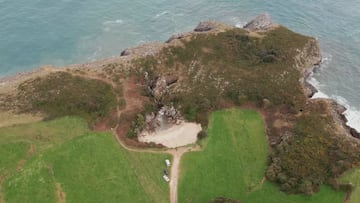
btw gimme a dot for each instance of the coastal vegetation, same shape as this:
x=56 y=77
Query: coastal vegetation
x=233 y=164
x=62 y=94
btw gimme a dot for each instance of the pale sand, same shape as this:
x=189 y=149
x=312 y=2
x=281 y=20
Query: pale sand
x=176 y=136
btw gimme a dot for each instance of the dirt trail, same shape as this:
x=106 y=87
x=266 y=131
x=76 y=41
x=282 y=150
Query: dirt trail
x=175 y=170
x=2 y=200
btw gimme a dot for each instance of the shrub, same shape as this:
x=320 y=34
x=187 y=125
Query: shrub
x=268 y=58
x=201 y=135
x=61 y=94
x=224 y=200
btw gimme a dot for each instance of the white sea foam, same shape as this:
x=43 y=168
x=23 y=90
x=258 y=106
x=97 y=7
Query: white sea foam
x=240 y=24
x=352 y=114
x=111 y=22
x=161 y=14
x=237 y=22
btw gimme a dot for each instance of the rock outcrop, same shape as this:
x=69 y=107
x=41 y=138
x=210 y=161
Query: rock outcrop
x=205 y=26
x=262 y=22
x=149 y=49
x=159 y=86
x=164 y=118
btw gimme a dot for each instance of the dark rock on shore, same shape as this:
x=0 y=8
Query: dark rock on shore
x=354 y=133
x=178 y=36
x=205 y=26
x=126 y=52
x=339 y=115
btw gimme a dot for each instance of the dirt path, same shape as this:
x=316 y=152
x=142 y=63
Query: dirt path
x=2 y=200
x=175 y=170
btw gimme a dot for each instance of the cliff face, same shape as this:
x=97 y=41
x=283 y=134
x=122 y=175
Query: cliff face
x=305 y=61
x=264 y=66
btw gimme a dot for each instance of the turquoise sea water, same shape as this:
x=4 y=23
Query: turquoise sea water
x=39 y=32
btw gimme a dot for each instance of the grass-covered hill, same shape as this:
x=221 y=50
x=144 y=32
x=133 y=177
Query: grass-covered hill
x=198 y=73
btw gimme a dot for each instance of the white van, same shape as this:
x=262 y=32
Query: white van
x=166 y=178
x=167 y=162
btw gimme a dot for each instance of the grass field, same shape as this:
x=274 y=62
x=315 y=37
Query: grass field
x=233 y=164
x=353 y=177
x=74 y=165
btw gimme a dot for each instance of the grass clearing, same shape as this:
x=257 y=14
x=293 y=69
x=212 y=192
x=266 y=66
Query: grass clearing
x=45 y=134
x=73 y=164
x=233 y=164
x=9 y=118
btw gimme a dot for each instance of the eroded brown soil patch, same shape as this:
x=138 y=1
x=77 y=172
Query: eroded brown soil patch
x=61 y=196
x=30 y=153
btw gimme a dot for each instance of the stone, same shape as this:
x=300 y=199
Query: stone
x=178 y=36
x=205 y=26
x=354 y=133
x=262 y=22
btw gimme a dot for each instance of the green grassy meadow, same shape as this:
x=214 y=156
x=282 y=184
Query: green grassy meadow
x=68 y=163
x=233 y=164
x=353 y=177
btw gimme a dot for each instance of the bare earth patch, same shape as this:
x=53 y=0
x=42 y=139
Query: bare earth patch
x=60 y=194
x=2 y=200
x=175 y=136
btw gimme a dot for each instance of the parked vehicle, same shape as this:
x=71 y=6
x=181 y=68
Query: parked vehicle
x=167 y=162
x=166 y=172
x=166 y=178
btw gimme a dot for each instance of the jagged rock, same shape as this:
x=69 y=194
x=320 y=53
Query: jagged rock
x=340 y=109
x=262 y=22
x=149 y=49
x=205 y=26
x=310 y=90
x=171 y=80
x=126 y=52
x=308 y=58
x=354 y=133
x=178 y=36
x=170 y=113
x=159 y=88
x=166 y=116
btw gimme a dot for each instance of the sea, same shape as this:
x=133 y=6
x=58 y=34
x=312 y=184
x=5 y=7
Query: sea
x=61 y=32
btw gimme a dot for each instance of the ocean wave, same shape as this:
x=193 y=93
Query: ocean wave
x=161 y=14
x=237 y=22
x=111 y=22
x=240 y=24
x=352 y=114
x=95 y=54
